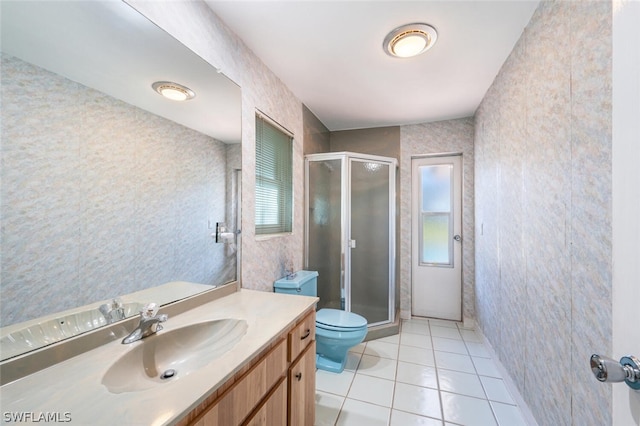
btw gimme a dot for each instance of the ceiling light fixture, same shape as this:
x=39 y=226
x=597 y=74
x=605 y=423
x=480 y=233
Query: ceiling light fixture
x=410 y=40
x=173 y=91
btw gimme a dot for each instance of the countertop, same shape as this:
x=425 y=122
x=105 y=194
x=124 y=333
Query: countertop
x=72 y=390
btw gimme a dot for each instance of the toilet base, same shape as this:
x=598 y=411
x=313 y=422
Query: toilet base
x=327 y=364
x=332 y=347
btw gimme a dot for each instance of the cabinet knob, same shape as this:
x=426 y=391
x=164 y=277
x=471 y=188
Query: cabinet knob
x=299 y=376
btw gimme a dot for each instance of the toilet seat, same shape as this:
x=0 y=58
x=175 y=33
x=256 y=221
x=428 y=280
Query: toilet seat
x=338 y=320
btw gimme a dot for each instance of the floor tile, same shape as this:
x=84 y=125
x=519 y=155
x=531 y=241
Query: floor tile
x=337 y=384
x=327 y=408
x=470 y=336
x=448 y=332
x=382 y=349
x=416 y=355
x=486 y=367
x=456 y=362
x=477 y=349
x=417 y=400
x=415 y=328
x=395 y=339
x=416 y=340
x=443 y=323
x=467 y=410
x=470 y=326
x=401 y=418
x=419 y=320
x=508 y=415
x=449 y=345
x=496 y=390
x=466 y=383
x=462 y=383
x=360 y=413
x=384 y=368
x=418 y=375
x=372 y=389
x=353 y=359
x=358 y=348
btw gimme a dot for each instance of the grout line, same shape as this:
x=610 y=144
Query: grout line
x=512 y=388
x=493 y=413
x=435 y=365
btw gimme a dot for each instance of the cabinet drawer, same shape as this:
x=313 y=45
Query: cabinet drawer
x=240 y=400
x=302 y=335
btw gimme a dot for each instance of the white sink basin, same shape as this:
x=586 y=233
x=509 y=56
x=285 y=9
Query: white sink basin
x=170 y=355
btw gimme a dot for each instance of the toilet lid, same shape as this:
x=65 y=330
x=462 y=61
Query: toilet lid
x=340 y=319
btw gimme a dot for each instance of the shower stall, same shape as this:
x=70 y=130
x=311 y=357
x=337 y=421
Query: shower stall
x=350 y=232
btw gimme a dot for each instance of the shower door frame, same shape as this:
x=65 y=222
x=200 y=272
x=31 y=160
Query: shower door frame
x=345 y=223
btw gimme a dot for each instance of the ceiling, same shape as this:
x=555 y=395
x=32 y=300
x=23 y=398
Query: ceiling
x=108 y=46
x=329 y=54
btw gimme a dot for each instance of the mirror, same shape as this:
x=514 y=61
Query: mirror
x=108 y=189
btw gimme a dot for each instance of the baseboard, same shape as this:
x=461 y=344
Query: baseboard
x=469 y=323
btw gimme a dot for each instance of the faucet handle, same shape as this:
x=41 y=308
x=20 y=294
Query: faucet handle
x=105 y=310
x=149 y=310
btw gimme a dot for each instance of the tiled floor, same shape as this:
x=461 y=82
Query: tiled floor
x=433 y=373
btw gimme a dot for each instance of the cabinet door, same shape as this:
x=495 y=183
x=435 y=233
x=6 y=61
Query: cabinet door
x=302 y=388
x=240 y=400
x=274 y=409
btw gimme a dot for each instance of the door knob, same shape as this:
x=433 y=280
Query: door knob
x=457 y=237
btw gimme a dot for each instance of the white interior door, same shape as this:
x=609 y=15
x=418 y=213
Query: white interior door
x=436 y=243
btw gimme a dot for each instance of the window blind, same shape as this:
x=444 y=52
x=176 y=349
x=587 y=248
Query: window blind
x=273 y=179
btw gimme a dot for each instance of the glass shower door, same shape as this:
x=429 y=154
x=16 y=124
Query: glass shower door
x=350 y=232
x=324 y=229
x=370 y=243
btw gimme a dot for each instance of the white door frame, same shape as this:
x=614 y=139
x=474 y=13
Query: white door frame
x=427 y=298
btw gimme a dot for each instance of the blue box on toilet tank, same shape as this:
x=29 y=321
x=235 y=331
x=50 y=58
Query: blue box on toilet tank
x=304 y=283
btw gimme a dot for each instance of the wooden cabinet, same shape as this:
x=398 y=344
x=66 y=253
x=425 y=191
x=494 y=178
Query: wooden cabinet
x=301 y=336
x=273 y=411
x=275 y=388
x=302 y=388
x=237 y=403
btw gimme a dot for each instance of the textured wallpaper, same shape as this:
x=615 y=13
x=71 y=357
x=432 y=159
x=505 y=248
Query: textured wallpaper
x=454 y=136
x=99 y=198
x=543 y=212
x=197 y=27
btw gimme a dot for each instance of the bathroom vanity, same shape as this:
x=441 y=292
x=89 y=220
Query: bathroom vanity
x=245 y=358
x=276 y=387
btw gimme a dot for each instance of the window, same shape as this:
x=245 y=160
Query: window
x=436 y=214
x=273 y=178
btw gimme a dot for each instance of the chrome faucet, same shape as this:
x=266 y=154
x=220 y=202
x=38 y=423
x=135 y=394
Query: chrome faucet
x=149 y=324
x=113 y=311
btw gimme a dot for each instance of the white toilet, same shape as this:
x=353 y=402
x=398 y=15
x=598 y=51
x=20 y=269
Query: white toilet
x=336 y=331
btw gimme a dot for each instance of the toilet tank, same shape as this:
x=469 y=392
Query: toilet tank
x=304 y=283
